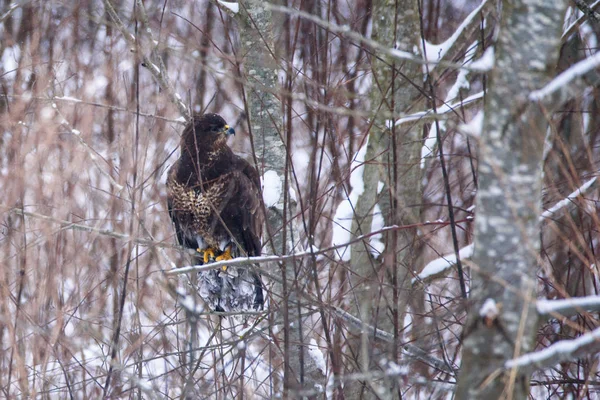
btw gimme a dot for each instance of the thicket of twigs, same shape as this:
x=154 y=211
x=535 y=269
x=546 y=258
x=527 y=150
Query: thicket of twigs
x=87 y=134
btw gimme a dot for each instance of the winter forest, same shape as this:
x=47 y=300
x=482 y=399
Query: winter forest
x=429 y=174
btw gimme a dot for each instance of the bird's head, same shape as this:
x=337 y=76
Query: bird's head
x=205 y=133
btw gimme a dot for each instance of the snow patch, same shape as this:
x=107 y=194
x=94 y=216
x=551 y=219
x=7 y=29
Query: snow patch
x=342 y=220
x=489 y=309
x=233 y=6
x=474 y=127
x=9 y=61
x=317 y=356
x=486 y=62
x=272 y=185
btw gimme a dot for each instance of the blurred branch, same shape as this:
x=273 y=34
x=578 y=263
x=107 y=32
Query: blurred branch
x=573 y=27
x=159 y=72
x=441 y=112
x=570 y=83
x=587 y=11
x=105 y=232
x=93 y=154
x=413 y=351
x=568 y=307
x=11 y=9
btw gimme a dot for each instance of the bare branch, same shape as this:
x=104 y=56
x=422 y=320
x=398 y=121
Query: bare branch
x=159 y=72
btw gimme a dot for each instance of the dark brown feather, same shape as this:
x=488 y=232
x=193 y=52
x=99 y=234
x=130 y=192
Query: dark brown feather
x=214 y=195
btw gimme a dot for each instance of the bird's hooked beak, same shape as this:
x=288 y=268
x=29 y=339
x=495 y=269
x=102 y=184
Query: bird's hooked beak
x=228 y=130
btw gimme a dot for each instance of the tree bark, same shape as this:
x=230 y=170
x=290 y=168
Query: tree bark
x=258 y=49
x=381 y=284
x=507 y=236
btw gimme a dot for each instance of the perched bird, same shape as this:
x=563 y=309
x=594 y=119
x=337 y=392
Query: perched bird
x=214 y=202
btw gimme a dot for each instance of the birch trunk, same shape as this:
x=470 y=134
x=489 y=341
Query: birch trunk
x=257 y=45
x=380 y=284
x=507 y=236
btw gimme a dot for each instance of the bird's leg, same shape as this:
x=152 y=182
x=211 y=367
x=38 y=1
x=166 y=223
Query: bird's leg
x=226 y=255
x=207 y=254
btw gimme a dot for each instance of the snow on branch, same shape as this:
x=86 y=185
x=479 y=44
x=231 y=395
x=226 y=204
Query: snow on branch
x=12 y=7
x=344 y=30
x=563 y=79
x=440 y=265
x=232 y=6
x=442 y=110
x=569 y=199
x=437 y=52
x=565 y=350
x=567 y=307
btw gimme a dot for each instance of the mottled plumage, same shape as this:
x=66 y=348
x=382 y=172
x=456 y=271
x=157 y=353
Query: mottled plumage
x=214 y=202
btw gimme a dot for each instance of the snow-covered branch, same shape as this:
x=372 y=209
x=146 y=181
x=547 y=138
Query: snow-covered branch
x=567 y=307
x=562 y=81
x=344 y=30
x=439 y=266
x=449 y=47
x=562 y=351
x=442 y=111
x=573 y=27
x=568 y=201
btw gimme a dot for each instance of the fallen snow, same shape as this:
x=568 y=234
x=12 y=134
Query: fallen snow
x=317 y=356
x=9 y=61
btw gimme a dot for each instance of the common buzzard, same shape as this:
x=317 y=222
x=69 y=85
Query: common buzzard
x=214 y=202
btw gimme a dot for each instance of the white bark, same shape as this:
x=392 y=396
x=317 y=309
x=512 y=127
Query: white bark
x=507 y=236
x=257 y=48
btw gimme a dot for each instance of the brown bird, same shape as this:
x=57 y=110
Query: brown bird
x=214 y=202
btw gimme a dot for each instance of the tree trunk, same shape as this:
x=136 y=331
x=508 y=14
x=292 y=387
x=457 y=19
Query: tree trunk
x=265 y=121
x=507 y=236
x=381 y=284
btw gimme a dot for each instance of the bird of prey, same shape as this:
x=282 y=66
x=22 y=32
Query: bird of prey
x=214 y=202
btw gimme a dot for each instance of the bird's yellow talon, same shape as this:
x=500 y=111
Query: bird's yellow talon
x=226 y=255
x=207 y=254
